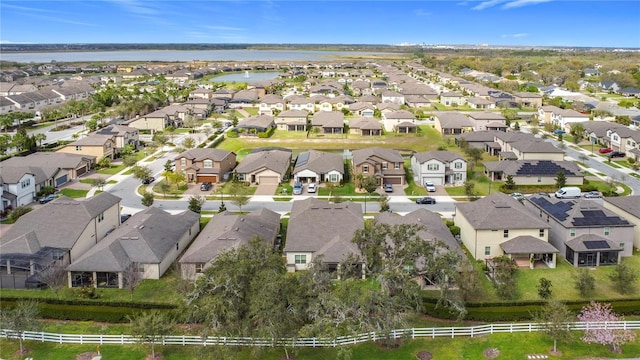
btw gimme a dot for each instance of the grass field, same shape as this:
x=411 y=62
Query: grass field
x=74 y=193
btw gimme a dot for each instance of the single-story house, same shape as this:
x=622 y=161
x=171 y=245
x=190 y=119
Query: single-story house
x=318 y=167
x=264 y=167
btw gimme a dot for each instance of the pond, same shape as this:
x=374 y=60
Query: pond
x=247 y=76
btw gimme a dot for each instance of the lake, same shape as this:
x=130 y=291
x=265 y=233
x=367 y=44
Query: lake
x=248 y=76
x=183 y=55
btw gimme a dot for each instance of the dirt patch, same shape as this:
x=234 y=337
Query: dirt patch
x=491 y=353
x=157 y=357
x=424 y=355
x=86 y=355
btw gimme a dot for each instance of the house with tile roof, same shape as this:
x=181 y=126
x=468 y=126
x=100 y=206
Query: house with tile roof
x=60 y=231
x=148 y=244
x=627 y=207
x=439 y=167
x=321 y=228
x=585 y=233
x=228 y=231
x=499 y=225
x=386 y=165
x=264 y=167
x=318 y=167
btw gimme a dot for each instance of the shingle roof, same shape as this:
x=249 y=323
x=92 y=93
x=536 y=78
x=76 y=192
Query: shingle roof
x=146 y=238
x=630 y=204
x=365 y=123
x=499 y=211
x=527 y=244
x=390 y=155
x=578 y=213
x=579 y=243
x=199 y=154
x=536 y=146
x=319 y=162
x=453 y=120
x=328 y=119
x=323 y=228
x=442 y=155
x=228 y=231
x=276 y=160
x=59 y=223
x=534 y=167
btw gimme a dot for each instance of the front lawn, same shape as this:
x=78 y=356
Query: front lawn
x=74 y=193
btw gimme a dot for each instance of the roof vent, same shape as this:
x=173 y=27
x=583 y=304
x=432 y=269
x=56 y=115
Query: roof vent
x=141 y=227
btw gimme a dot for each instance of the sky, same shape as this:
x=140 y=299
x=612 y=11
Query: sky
x=588 y=23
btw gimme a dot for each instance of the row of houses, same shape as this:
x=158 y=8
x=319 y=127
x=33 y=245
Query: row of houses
x=615 y=136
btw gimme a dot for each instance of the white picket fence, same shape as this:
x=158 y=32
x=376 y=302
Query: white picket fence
x=467 y=331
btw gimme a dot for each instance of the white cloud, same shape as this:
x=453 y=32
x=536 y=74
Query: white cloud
x=136 y=7
x=518 y=35
x=223 y=28
x=421 y=12
x=521 y=3
x=487 y=4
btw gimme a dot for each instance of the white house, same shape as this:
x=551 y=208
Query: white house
x=439 y=167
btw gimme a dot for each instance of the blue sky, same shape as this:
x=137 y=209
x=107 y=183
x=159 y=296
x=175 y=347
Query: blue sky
x=494 y=22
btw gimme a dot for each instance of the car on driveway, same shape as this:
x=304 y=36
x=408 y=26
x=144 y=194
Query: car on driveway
x=311 y=188
x=605 y=150
x=297 y=189
x=426 y=200
x=388 y=188
x=148 y=180
x=615 y=154
x=46 y=199
x=206 y=186
x=431 y=187
x=517 y=196
x=593 y=195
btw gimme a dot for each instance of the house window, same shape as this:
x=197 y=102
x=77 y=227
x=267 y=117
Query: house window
x=183 y=162
x=25 y=183
x=433 y=167
x=539 y=179
x=57 y=254
x=457 y=165
x=572 y=232
x=365 y=168
x=487 y=250
x=333 y=178
x=397 y=166
x=457 y=176
x=78 y=147
x=208 y=164
x=138 y=267
x=199 y=268
x=541 y=234
x=100 y=217
x=607 y=231
x=385 y=166
x=505 y=234
x=301 y=259
x=622 y=246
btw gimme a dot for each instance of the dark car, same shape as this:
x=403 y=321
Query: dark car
x=206 y=186
x=426 y=200
x=46 y=199
x=124 y=217
x=388 y=188
x=148 y=180
x=615 y=154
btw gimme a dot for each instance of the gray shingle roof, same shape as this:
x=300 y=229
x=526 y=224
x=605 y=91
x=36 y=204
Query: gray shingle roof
x=59 y=223
x=630 y=204
x=442 y=155
x=578 y=213
x=499 y=211
x=323 y=228
x=390 y=155
x=534 y=167
x=276 y=160
x=578 y=243
x=319 y=162
x=228 y=231
x=527 y=244
x=453 y=120
x=146 y=238
x=199 y=154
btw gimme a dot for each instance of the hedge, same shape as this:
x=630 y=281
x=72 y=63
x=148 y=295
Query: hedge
x=217 y=142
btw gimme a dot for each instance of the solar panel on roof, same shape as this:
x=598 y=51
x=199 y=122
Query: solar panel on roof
x=302 y=159
x=596 y=244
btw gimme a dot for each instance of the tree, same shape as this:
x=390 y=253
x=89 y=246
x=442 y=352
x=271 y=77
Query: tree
x=20 y=319
x=150 y=327
x=561 y=179
x=196 y=202
x=39 y=138
x=555 y=319
x=369 y=184
x=384 y=203
x=623 y=278
x=141 y=172
x=600 y=313
x=475 y=154
x=469 y=286
x=509 y=184
x=504 y=277
x=544 y=288
x=131 y=278
x=98 y=182
x=168 y=166
x=5 y=143
x=129 y=160
x=585 y=282
x=239 y=195
x=91 y=124
x=189 y=142
x=55 y=277
x=105 y=162
x=470 y=190
x=147 y=199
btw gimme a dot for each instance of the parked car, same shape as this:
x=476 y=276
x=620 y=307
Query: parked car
x=559 y=132
x=615 y=154
x=46 y=199
x=388 y=188
x=311 y=187
x=431 y=187
x=517 y=196
x=148 y=180
x=426 y=200
x=593 y=195
x=206 y=186
x=297 y=189
x=124 y=217
x=605 y=150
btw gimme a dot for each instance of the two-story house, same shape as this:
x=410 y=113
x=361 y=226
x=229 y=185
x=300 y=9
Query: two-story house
x=205 y=164
x=18 y=186
x=97 y=145
x=292 y=120
x=488 y=121
x=627 y=141
x=271 y=103
x=400 y=121
x=452 y=99
x=386 y=165
x=123 y=136
x=585 y=233
x=627 y=207
x=439 y=167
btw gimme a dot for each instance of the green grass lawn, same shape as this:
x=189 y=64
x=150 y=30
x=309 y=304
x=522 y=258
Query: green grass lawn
x=111 y=170
x=74 y=193
x=511 y=346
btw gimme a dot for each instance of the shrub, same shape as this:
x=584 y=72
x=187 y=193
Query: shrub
x=87 y=292
x=18 y=212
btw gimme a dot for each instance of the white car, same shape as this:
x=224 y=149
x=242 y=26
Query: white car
x=430 y=186
x=311 y=188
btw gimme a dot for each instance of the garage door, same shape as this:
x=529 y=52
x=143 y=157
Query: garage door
x=61 y=180
x=393 y=180
x=81 y=171
x=268 y=180
x=212 y=178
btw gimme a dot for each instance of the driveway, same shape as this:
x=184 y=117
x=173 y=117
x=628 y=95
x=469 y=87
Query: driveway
x=266 y=189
